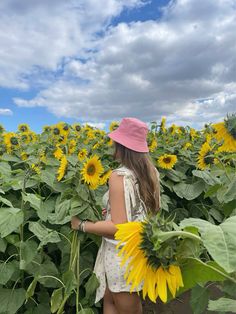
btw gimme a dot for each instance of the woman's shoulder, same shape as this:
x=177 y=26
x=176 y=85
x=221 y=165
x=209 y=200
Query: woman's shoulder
x=123 y=171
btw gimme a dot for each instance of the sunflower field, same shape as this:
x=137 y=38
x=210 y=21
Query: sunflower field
x=45 y=179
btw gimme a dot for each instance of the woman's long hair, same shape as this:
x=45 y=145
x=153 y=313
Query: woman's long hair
x=145 y=172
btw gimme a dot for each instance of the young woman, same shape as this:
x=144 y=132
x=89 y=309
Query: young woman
x=134 y=191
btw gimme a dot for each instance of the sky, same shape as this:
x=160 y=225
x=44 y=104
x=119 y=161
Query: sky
x=91 y=61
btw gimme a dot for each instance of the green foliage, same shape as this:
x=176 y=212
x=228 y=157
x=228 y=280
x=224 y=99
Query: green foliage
x=47 y=268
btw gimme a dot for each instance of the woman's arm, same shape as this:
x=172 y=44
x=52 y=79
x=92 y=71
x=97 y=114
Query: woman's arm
x=118 y=212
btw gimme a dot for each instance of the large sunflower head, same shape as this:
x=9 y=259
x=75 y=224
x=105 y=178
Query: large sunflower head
x=225 y=133
x=205 y=157
x=91 y=171
x=148 y=252
x=167 y=161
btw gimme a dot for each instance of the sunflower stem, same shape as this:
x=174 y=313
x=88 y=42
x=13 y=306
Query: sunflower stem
x=169 y=234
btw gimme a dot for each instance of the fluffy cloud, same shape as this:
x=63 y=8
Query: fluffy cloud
x=5 y=112
x=37 y=37
x=181 y=66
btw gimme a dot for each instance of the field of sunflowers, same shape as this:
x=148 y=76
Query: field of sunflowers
x=47 y=178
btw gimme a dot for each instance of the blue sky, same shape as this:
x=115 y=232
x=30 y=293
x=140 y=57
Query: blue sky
x=93 y=62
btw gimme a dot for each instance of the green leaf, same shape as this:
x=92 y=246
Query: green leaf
x=195 y=272
x=189 y=191
x=5 y=168
x=3 y=245
x=11 y=300
x=62 y=210
x=175 y=175
x=33 y=199
x=28 y=252
x=10 y=220
x=5 y=201
x=212 y=190
x=86 y=311
x=222 y=305
x=199 y=299
x=229 y=288
x=220 y=241
x=48 y=176
x=231 y=192
x=6 y=272
x=47 y=275
x=31 y=288
x=91 y=285
x=229 y=207
x=56 y=299
x=8 y=157
x=206 y=176
x=44 y=234
x=70 y=282
x=1 y=191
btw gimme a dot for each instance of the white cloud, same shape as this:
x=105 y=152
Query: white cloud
x=182 y=66
x=37 y=36
x=5 y=112
x=99 y=125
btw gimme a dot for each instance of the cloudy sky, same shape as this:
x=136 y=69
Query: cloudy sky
x=98 y=61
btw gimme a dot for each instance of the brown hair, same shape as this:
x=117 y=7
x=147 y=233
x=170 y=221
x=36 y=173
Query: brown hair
x=145 y=172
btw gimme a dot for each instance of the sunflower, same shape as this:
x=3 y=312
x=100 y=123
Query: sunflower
x=167 y=161
x=58 y=153
x=42 y=156
x=205 y=157
x=72 y=146
x=23 y=127
x=91 y=171
x=226 y=132
x=113 y=126
x=82 y=154
x=140 y=270
x=193 y=134
x=76 y=127
x=46 y=128
x=35 y=168
x=163 y=125
x=173 y=129
x=24 y=156
x=105 y=177
x=62 y=169
x=11 y=141
x=187 y=145
x=153 y=145
x=26 y=137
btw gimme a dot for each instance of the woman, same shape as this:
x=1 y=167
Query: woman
x=134 y=191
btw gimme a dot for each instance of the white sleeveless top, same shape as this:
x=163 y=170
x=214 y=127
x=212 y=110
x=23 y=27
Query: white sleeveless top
x=135 y=211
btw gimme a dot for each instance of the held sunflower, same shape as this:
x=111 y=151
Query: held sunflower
x=155 y=277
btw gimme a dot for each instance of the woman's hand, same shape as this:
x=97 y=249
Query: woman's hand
x=75 y=221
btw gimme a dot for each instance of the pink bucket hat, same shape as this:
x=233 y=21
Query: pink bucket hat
x=131 y=133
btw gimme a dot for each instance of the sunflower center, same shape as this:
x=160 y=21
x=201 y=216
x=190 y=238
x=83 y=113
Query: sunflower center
x=167 y=160
x=91 y=170
x=209 y=160
x=14 y=141
x=23 y=128
x=56 y=131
